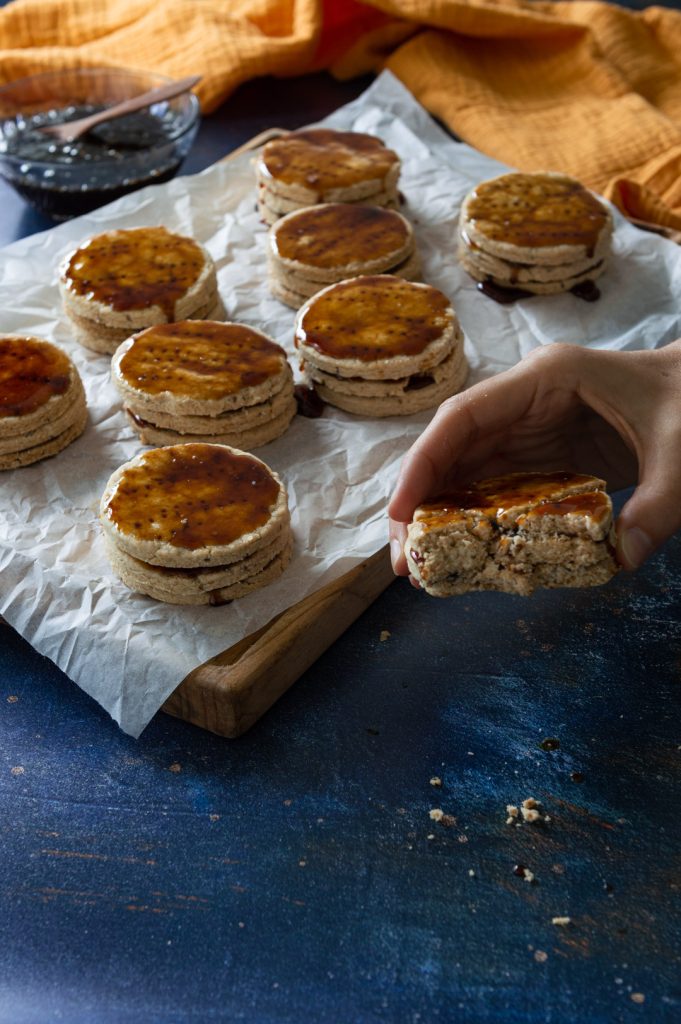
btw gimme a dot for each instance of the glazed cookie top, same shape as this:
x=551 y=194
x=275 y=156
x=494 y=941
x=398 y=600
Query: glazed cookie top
x=537 y=210
x=132 y=269
x=32 y=372
x=201 y=359
x=321 y=159
x=204 y=503
x=340 y=236
x=373 y=317
x=510 y=497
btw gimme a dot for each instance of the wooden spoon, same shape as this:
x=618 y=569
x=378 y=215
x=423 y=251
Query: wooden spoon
x=72 y=130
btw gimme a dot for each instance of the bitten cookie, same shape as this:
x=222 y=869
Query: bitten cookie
x=196 y=524
x=381 y=346
x=320 y=245
x=514 y=533
x=534 y=234
x=125 y=280
x=42 y=401
x=321 y=165
x=201 y=380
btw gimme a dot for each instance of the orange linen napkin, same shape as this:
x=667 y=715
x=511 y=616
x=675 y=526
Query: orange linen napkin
x=580 y=86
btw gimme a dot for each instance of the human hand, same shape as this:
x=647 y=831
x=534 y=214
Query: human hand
x=615 y=414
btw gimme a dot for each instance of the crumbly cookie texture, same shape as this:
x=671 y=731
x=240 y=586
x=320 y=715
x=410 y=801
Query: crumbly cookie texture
x=514 y=533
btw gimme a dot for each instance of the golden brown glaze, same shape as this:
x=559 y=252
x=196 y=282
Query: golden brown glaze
x=193 y=496
x=493 y=497
x=535 y=210
x=135 y=268
x=31 y=372
x=321 y=159
x=200 y=359
x=371 y=318
x=339 y=235
x=594 y=504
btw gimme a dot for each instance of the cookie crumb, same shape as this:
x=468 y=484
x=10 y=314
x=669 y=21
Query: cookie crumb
x=12 y=699
x=540 y=956
x=385 y=635
x=637 y=997
x=18 y=770
x=436 y=780
x=435 y=814
x=562 y=922
x=175 y=767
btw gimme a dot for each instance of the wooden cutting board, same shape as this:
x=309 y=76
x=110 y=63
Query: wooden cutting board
x=229 y=693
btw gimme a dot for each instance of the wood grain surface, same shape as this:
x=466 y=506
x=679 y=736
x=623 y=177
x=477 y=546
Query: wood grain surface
x=228 y=694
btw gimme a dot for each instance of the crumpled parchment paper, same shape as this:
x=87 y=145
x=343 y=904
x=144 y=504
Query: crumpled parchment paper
x=130 y=652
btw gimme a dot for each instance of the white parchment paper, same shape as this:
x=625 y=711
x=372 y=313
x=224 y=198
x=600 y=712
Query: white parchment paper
x=56 y=588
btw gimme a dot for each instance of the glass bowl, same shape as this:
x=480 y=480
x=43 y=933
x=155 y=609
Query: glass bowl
x=62 y=179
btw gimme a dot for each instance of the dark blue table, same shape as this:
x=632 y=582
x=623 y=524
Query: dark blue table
x=296 y=874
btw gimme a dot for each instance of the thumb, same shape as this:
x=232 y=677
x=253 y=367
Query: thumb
x=652 y=514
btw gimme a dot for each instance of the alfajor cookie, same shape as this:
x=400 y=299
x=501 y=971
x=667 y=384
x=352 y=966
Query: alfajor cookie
x=126 y=280
x=514 y=533
x=381 y=346
x=526 y=234
x=320 y=245
x=321 y=165
x=42 y=401
x=196 y=524
x=202 y=380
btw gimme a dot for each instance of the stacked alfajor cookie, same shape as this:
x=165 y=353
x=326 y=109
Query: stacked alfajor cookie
x=534 y=234
x=320 y=245
x=196 y=524
x=320 y=165
x=42 y=401
x=381 y=346
x=202 y=380
x=129 y=279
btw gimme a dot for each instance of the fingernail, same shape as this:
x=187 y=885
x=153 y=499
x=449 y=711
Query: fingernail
x=395 y=552
x=635 y=546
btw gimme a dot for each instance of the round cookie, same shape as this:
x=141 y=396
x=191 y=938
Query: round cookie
x=542 y=233
x=42 y=401
x=381 y=346
x=203 y=380
x=193 y=505
x=337 y=240
x=321 y=165
x=125 y=280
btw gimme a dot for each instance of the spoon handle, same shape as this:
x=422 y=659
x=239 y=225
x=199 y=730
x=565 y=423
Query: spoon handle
x=145 y=99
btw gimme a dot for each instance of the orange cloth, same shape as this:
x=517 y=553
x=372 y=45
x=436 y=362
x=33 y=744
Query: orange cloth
x=581 y=86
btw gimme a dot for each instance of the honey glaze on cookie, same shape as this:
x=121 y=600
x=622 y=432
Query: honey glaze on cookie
x=534 y=210
x=322 y=159
x=31 y=373
x=202 y=359
x=135 y=268
x=193 y=496
x=493 y=497
x=339 y=235
x=374 y=317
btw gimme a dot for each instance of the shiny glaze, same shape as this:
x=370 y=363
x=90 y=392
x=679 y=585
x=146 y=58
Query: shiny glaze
x=321 y=159
x=371 y=318
x=200 y=359
x=594 y=504
x=31 y=372
x=534 y=210
x=135 y=268
x=193 y=496
x=339 y=235
x=493 y=497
